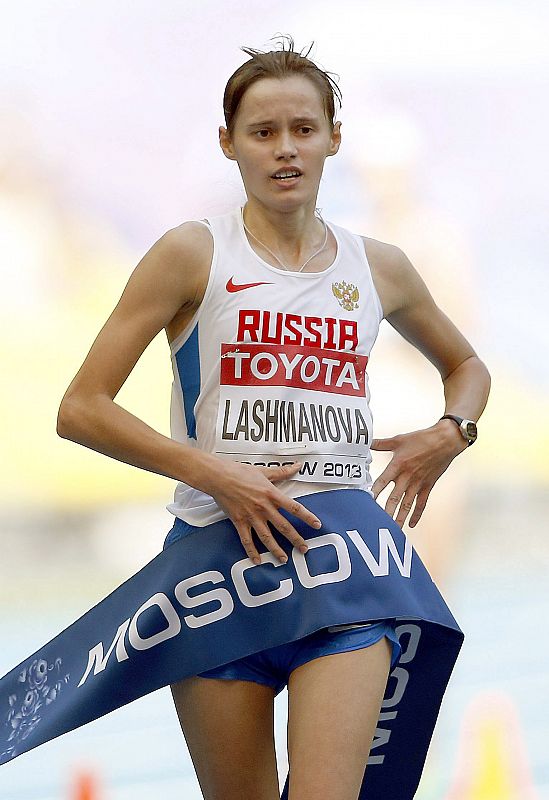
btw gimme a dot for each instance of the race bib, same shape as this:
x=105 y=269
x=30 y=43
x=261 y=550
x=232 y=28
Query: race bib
x=317 y=468
x=284 y=403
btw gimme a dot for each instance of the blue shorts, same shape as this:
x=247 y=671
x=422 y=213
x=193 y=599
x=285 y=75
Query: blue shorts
x=273 y=666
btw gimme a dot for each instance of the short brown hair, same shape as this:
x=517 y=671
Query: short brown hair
x=278 y=64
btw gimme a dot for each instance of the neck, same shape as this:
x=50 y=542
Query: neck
x=292 y=235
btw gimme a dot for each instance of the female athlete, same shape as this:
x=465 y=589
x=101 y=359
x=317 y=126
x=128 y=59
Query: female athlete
x=271 y=313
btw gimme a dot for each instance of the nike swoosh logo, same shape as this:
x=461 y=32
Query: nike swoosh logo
x=239 y=287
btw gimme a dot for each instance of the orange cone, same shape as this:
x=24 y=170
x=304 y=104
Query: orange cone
x=85 y=786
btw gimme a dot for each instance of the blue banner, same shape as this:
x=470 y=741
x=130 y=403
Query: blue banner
x=202 y=603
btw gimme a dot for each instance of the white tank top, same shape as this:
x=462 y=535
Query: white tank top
x=272 y=368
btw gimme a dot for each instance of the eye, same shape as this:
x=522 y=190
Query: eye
x=305 y=129
x=262 y=134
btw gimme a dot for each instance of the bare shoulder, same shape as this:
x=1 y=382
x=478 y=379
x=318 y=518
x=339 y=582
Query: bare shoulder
x=410 y=309
x=383 y=257
x=169 y=281
x=189 y=247
x=187 y=257
x=190 y=233
x=182 y=258
x=395 y=278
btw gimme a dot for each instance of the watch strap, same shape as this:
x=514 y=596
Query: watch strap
x=458 y=421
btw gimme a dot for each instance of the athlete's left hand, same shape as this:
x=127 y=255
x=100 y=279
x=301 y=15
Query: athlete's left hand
x=419 y=459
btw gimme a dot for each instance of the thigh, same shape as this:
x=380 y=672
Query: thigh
x=229 y=729
x=333 y=707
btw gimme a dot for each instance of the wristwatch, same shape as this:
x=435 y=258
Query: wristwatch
x=467 y=427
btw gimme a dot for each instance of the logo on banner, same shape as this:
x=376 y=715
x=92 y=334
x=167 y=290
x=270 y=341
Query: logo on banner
x=347 y=295
x=38 y=685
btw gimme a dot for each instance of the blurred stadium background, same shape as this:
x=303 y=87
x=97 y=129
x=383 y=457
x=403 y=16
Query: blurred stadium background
x=109 y=116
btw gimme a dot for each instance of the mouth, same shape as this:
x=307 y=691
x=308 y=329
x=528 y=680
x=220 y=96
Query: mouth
x=287 y=175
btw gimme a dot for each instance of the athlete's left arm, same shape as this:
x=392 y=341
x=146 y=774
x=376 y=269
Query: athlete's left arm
x=421 y=457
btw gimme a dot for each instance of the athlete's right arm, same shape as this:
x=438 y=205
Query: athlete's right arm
x=170 y=279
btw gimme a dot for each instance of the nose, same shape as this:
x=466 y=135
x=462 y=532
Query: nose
x=285 y=146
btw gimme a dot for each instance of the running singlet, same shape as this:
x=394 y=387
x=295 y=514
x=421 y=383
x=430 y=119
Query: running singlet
x=272 y=368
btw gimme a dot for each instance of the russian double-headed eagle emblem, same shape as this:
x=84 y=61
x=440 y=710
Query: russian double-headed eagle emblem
x=347 y=295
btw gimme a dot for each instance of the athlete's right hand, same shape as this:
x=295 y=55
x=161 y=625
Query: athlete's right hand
x=250 y=499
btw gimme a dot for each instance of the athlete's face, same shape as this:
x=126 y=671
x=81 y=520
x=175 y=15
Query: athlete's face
x=280 y=127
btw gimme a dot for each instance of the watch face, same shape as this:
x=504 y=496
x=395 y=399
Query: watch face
x=471 y=429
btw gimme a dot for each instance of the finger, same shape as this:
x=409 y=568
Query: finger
x=383 y=444
x=381 y=482
x=262 y=530
x=421 y=502
x=245 y=534
x=281 y=473
x=394 y=499
x=405 y=506
x=288 y=530
x=299 y=510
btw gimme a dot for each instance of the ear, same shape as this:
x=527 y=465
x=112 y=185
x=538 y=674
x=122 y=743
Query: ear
x=335 y=139
x=226 y=144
